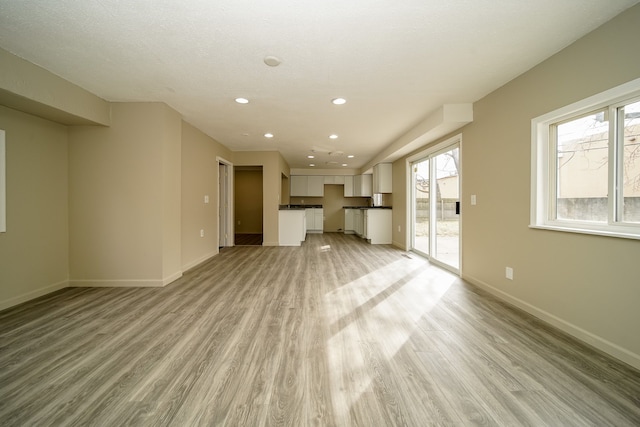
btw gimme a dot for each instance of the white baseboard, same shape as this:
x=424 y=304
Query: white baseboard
x=172 y=278
x=594 y=340
x=135 y=283
x=33 y=294
x=199 y=261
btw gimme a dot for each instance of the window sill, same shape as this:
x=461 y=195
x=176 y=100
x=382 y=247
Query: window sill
x=624 y=234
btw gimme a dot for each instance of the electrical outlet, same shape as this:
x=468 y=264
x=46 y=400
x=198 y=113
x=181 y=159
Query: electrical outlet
x=206 y=199
x=239 y=222
x=201 y=233
x=399 y=229
x=509 y=273
x=474 y=200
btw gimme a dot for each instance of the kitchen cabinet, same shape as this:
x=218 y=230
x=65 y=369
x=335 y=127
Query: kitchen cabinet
x=358 y=222
x=362 y=185
x=315 y=186
x=348 y=186
x=315 y=220
x=378 y=226
x=298 y=185
x=348 y=221
x=307 y=186
x=291 y=227
x=382 y=178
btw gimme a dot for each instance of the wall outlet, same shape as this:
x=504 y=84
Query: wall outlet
x=239 y=222
x=509 y=273
x=474 y=200
x=206 y=199
x=399 y=229
x=201 y=233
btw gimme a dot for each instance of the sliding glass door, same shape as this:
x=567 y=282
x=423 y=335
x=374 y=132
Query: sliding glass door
x=435 y=199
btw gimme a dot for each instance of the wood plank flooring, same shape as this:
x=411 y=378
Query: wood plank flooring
x=335 y=333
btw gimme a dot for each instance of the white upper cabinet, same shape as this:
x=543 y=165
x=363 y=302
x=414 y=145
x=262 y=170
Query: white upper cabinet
x=362 y=186
x=382 y=178
x=315 y=186
x=298 y=185
x=348 y=186
x=307 y=186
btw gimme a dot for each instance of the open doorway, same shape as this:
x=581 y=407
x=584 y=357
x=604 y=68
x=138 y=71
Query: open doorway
x=248 y=206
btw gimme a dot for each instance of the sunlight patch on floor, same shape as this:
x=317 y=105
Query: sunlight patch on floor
x=385 y=304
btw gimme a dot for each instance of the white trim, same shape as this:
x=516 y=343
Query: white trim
x=542 y=169
x=199 y=261
x=125 y=283
x=33 y=294
x=230 y=240
x=583 y=335
x=3 y=183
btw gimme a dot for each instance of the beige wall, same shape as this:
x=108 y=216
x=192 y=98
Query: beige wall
x=587 y=285
x=199 y=179
x=248 y=201
x=125 y=198
x=273 y=167
x=34 y=250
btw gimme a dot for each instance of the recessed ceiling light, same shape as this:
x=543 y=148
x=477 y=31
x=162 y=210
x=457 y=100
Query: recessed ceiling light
x=268 y=135
x=311 y=164
x=242 y=100
x=333 y=136
x=344 y=164
x=311 y=157
x=350 y=156
x=338 y=101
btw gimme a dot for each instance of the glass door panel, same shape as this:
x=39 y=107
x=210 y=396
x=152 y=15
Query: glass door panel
x=421 y=211
x=445 y=211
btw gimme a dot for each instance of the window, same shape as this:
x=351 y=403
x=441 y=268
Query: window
x=586 y=165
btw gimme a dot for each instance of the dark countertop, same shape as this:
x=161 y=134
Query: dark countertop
x=299 y=207
x=368 y=207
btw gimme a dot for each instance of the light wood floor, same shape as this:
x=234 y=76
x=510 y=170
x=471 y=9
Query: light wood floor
x=335 y=333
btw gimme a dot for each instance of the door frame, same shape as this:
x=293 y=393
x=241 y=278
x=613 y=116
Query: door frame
x=225 y=198
x=432 y=151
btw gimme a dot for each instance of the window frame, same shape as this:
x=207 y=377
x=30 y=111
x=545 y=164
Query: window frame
x=544 y=179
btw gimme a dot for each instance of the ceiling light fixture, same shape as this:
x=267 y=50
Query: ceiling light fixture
x=242 y=100
x=333 y=136
x=311 y=157
x=344 y=164
x=272 y=61
x=311 y=164
x=350 y=156
x=338 y=101
x=268 y=135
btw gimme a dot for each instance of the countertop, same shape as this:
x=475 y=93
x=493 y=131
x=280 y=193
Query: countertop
x=368 y=207
x=299 y=207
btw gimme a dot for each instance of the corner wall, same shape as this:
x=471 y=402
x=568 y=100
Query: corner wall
x=199 y=178
x=124 y=209
x=34 y=251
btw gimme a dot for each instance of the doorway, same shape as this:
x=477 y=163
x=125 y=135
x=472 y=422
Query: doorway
x=435 y=205
x=248 y=205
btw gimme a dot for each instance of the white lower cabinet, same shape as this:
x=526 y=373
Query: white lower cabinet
x=315 y=220
x=349 y=227
x=378 y=226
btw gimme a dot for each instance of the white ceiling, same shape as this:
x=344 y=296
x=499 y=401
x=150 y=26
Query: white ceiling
x=394 y=61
